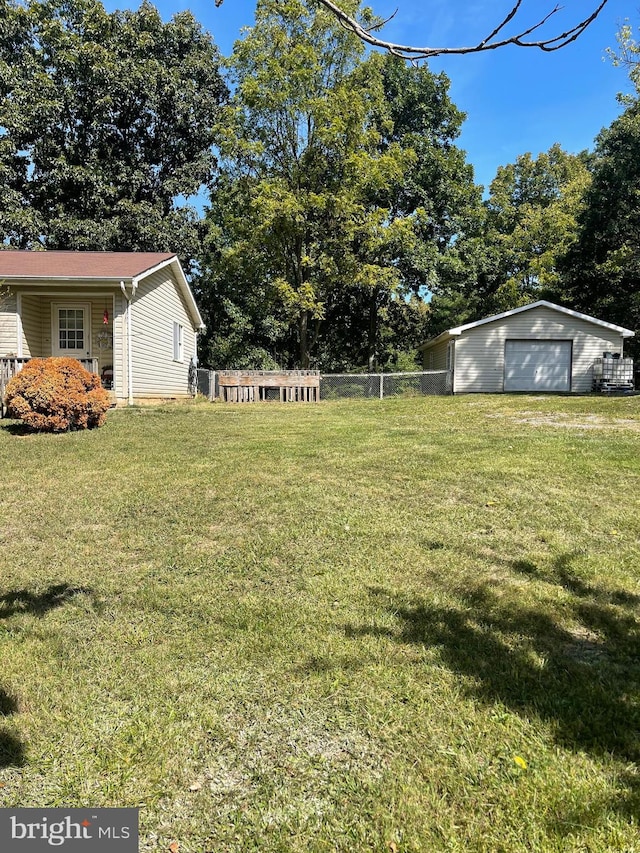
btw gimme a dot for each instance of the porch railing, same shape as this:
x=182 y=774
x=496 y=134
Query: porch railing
x=10 y=366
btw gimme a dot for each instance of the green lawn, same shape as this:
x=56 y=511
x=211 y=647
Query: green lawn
x=407 y=625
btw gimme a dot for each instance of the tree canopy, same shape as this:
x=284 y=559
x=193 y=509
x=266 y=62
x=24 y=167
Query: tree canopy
x=339 y=189
x=343 y=224
x=602 y=267
x=107 y=121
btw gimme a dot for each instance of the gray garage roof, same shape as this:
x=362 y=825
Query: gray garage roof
x=542 y=303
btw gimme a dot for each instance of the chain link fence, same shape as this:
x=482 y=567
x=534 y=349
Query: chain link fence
x=206 y=383
x=337 y=386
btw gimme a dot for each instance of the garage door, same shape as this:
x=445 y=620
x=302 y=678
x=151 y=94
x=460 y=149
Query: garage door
x=537 y=366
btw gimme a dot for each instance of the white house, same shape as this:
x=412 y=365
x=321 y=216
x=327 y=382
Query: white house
x=538 y=347
x=128 y=316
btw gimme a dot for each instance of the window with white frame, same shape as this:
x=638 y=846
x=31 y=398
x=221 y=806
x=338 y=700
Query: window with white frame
x=178 y=337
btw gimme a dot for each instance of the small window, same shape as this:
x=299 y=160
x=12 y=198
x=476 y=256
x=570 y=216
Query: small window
x=177 y=342
x=71 y=328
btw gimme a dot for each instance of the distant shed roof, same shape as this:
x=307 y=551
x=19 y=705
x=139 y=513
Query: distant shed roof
x=541 y=303
x=82 y=265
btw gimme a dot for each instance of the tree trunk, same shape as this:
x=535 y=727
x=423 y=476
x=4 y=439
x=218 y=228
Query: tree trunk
x=304 y=340
x=373 y=330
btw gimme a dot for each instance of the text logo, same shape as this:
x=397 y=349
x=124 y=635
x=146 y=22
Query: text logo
x=69 y=830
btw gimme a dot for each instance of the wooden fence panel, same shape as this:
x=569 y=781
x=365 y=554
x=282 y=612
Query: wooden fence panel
x=250 y=386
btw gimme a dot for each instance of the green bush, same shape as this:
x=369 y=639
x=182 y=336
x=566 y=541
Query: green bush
x=57 y=395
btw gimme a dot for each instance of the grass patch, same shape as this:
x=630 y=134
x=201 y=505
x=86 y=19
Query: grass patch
x=331 y=627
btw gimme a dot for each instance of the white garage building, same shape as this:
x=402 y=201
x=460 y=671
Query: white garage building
x=538 y=347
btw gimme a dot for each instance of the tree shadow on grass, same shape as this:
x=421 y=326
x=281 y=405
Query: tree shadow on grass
x=576 y=665
x=561 y=575
x=39 y=603
x=11 y=748
x=12 y=751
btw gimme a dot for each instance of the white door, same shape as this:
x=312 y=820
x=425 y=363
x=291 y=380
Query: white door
x=537 y=366
x=71 y=333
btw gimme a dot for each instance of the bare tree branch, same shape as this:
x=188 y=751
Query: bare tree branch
x=491 y=42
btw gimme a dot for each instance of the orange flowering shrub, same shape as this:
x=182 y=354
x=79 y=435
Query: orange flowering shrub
x=57 y=395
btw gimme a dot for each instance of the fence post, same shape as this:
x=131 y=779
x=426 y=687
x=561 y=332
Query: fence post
x=381 y=385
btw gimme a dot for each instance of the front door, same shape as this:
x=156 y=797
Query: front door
x=71 y=333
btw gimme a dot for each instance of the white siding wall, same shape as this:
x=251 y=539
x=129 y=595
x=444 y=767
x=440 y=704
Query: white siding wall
x=435 y=358
x=46 y=302
x=8 y=324
x=47 y=328
x=479 y=365
x=31 y=326
x=156 y=306
x=119 y=345
x=37 y=323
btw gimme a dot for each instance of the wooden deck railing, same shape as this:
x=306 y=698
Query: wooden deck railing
x=10 y=366
x=8 y=369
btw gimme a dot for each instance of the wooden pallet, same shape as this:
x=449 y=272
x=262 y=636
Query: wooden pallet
x=252 y=386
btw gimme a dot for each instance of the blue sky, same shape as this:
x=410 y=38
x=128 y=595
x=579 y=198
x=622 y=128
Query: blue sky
x=516 y=99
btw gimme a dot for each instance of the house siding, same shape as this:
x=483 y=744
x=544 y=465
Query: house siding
x=37 y=321
x=31 y=315
x=119 y=345
x=435 y=358
x=8 y=324
x=479 y=365
x=156 y=306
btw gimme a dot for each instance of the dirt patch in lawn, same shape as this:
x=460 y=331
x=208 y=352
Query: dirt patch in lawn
x=572 y=421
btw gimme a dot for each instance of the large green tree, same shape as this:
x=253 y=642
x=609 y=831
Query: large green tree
x=423 y=209
x=514 y=250
x=602 y=268
x=339 y=189
x=107 y=125
x=531 y=222
x=293 y=149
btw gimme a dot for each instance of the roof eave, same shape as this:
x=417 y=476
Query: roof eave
x=543 y=303
x=47 y=279
x=183 y=284
x=443 y=336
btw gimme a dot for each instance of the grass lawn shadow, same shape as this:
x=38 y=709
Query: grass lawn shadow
x=12 y=753
x=24 y=601
x=11 y=748
x=38 y=604
x=578 y=668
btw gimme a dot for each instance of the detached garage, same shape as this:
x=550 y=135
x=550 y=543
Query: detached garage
x=540 y=347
